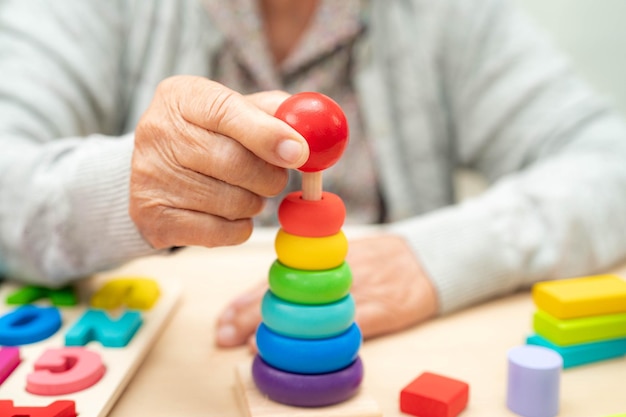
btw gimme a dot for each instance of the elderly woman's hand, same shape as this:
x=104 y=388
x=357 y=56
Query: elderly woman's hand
x=205 y=158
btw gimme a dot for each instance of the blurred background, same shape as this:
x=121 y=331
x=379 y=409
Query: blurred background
x=593 y=33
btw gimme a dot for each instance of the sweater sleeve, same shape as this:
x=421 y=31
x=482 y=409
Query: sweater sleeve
x=64 y=162
x=553 y=153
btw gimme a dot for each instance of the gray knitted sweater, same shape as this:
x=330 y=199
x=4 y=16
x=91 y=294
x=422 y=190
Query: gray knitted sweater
x=442 y=84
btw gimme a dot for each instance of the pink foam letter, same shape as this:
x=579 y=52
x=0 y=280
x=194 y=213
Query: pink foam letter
x=9 y=359
x=64 y=371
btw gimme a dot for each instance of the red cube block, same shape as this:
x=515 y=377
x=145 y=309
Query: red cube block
x=432 y=395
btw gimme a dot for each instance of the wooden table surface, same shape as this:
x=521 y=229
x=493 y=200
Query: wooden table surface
x=186 y=375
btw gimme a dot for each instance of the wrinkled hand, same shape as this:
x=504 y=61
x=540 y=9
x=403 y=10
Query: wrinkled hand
x=205 y=159
x=390 y=289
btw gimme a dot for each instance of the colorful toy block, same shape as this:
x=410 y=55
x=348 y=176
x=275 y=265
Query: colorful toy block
x=581 y=297
x=582 y=319
x=583 y=353
x=579 y=330
x=433 y=395
x=534 y=374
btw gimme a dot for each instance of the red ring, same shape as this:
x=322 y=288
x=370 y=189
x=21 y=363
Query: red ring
x=311 y=218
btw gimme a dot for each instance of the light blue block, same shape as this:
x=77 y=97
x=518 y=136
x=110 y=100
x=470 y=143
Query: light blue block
x=97 y=325
x=583 y=353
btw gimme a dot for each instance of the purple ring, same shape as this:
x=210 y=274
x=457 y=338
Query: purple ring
x=303 y=390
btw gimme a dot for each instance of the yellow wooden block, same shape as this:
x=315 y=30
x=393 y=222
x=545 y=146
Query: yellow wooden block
x=132 y=292
x=581 y=297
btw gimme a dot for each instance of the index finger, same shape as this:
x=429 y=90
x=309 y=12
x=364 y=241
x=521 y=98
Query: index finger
x=217 y=108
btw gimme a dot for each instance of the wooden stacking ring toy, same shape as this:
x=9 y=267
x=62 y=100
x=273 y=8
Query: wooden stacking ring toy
x=307 y=321
x=311 y=218
x=308 y=356
x=308 y=341
x=307 y=390
x=310 y=287
x=311 y=253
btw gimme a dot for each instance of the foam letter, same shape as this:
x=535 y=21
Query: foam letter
x=56 y=409
x=97 y=325
x=28 y=324
x=9 y=359
x=134 y=293
x=64 y=371
x=59 y=297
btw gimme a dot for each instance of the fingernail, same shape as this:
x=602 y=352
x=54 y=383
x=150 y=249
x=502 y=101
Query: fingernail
x=227 y=334
x=290 y=150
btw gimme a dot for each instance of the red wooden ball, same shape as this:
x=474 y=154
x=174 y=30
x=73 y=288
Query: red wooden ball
x=321 y=122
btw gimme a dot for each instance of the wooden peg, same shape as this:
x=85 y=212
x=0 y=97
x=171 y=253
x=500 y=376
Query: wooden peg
x=312 y=186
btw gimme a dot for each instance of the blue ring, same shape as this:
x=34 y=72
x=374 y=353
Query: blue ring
x=308 y=356
x=307 y=321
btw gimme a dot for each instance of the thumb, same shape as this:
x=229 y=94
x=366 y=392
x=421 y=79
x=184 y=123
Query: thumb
x=268 y=101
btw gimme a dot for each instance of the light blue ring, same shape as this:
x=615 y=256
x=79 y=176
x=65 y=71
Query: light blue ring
x=308 y=356
x=306 y=321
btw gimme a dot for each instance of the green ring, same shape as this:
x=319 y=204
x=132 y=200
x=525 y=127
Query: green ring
x=310 y=287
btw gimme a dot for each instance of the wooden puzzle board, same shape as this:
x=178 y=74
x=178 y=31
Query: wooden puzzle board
x=120 y=363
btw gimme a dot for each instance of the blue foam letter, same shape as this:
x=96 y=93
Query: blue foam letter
x=28 y=324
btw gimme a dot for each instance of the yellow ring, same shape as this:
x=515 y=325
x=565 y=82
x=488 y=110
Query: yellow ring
x=311 y=253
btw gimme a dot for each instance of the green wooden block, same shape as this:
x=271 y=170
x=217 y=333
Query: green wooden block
x=579 y=330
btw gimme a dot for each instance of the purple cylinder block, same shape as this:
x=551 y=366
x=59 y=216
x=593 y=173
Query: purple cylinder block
x=533 y=381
